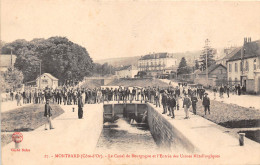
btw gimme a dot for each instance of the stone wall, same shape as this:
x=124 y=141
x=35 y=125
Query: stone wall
x=166 y=135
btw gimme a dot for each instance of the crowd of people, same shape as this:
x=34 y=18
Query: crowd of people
x=169 y=97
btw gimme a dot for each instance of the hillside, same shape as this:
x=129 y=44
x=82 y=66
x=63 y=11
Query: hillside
x=123 y=61
x=120 y=61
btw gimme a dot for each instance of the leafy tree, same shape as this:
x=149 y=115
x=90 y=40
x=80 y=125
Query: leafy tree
x=104 y=69
x=10 y=79
x=183 y=67
x=57 y=55
x=207 y=53
x=197 y=65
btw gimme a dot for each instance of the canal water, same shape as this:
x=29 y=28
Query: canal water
x=121 y=136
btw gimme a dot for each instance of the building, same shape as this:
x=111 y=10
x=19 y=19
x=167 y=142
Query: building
x=126 y=72
x=170 y=72
x=244 y=66
x=6 y=61
x=155 y=63
x=217 y=75
x=46 y=80
x=226 y=55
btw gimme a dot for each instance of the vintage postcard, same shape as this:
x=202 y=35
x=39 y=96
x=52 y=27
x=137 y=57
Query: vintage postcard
x=129 y=82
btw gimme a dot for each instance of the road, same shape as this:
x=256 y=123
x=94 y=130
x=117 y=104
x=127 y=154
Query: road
x=247 y=101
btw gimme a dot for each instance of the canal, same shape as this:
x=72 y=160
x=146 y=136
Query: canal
x=121 y=136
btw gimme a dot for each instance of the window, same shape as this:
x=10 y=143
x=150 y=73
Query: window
x=247 y=68
x=221 y=72
x=254 y=64
x=241 y=66
x=230 y=67
x=44 y=81
x=235 y=67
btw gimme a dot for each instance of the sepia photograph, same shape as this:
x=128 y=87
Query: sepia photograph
x=129 y=82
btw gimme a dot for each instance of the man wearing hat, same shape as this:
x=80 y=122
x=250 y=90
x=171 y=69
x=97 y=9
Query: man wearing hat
x=186 y=105
x=206 y=103
x=47 y=113
x=172 y=104
x=164 y=102
x=194 y=101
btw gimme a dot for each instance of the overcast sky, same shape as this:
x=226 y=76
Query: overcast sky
x=133 y=28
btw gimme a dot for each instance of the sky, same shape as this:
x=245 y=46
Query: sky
x=110 y=29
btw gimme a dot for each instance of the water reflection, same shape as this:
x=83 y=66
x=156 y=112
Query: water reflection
x=125 y=137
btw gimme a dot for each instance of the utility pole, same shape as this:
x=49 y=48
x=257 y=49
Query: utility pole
x=207 y=76
x=11 y=57
x=40 y=74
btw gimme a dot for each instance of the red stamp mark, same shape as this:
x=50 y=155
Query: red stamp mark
x=17 y=137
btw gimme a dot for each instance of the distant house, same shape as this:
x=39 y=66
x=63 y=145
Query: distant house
x=217 y=75
x=46 y=80
x=127 y=72
x=6 y=61
x=244 y=66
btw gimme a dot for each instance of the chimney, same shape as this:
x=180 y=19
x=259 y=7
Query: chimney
x=249 y=39
x=245 y=40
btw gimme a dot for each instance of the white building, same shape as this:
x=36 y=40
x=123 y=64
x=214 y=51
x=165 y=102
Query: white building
x=127 y=72
x=244 y=66
x=46 y=80
x=155 y=63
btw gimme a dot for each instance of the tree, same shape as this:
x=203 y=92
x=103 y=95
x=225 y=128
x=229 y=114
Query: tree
x=197 y=65
x=104 y=69
x=11 y=79
x=183 y=67
x=207 y=53
x=57 y=55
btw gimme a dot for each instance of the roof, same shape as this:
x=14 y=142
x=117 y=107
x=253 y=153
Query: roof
x=251 y=50
x=5 y=60
x=127 y=67
x=212 y=68
x=49 y=75
x=156 y=55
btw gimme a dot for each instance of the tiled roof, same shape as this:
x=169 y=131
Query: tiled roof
x=251 y=49
x=212 y=68
x=154 y=56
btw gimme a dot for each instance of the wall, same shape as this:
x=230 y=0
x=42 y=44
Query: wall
x=165 y=134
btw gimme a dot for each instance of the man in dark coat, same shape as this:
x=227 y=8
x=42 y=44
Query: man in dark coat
x=172 y=104
x=206 y=103
x=194 y=101
x=80 y=107
x=47 y=113
x=164 y=103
